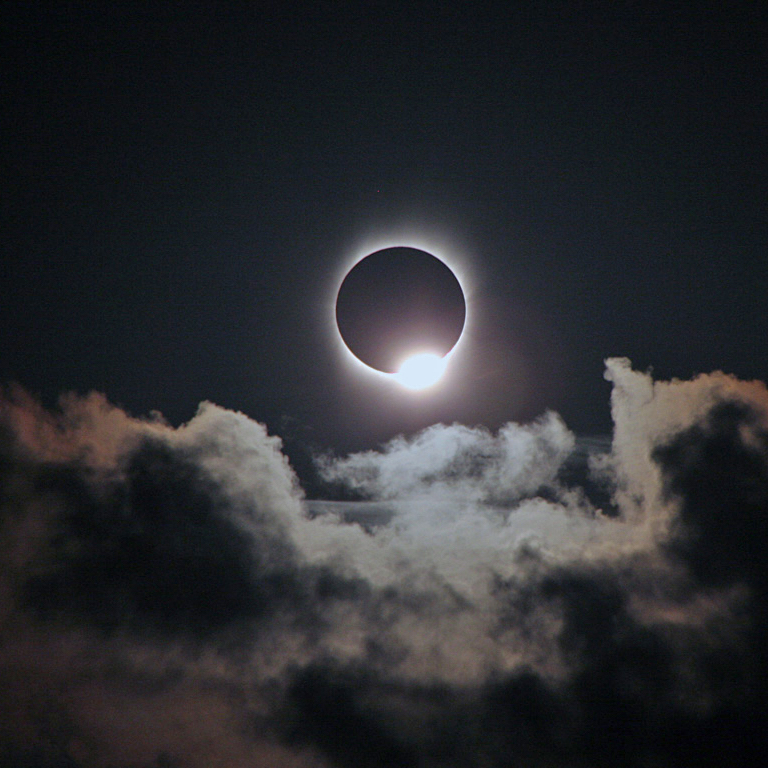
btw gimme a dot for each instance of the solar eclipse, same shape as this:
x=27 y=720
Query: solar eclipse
x=401 y=311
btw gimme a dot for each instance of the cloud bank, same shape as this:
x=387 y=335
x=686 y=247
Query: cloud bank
x=168 y=597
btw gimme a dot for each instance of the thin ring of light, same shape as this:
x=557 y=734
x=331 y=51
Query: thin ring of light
x=372 y=245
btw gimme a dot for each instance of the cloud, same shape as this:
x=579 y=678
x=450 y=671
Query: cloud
x=461 y=461
x=168 y=597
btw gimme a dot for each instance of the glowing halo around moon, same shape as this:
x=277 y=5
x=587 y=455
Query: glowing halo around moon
x=400 y=313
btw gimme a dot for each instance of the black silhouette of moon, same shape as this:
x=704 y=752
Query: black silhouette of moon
x=398 y=302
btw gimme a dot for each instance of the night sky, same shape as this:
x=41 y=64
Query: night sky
x=183 y=186
x=540 y=562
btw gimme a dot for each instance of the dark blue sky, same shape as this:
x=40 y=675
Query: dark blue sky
x=182 y=185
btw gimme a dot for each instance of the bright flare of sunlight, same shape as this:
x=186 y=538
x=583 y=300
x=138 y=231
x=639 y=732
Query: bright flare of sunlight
x=421 y=371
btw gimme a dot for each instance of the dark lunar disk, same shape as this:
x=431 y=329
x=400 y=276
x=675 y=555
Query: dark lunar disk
x=398 y=302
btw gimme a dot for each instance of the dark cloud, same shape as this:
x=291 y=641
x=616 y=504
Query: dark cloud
x=332 y=710
x=718 y=471
x=153 y=550
x=169 y=598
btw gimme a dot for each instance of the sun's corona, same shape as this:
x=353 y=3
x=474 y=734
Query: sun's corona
x=400 y=312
